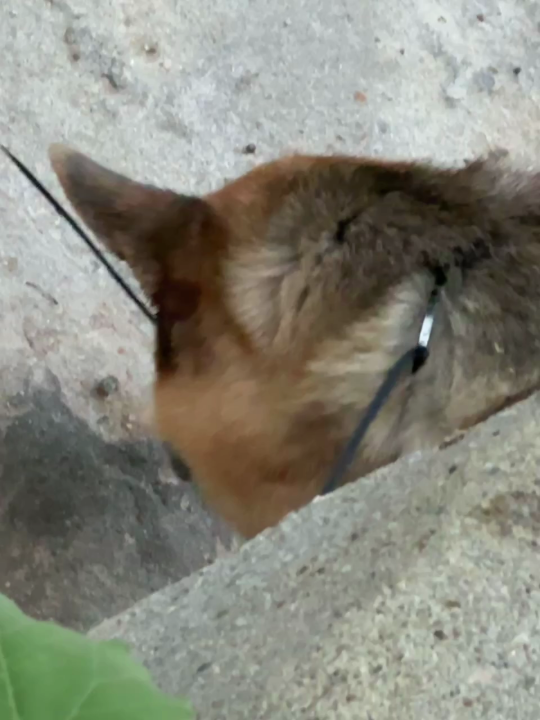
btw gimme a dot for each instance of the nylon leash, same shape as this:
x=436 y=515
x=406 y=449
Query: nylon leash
x=409 y=363
x=60 y=210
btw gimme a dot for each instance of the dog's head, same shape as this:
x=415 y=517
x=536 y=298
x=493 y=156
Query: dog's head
x=281 y=301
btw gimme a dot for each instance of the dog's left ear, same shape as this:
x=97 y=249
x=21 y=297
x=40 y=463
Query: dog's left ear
x=157 y=232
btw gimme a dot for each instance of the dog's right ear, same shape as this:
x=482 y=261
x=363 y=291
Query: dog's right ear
x=143 y=225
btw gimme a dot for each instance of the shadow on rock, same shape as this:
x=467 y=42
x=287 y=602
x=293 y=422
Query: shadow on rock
x=88 y=527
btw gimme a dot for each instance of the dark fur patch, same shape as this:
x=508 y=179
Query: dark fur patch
x=302 y=298
x=177 y=302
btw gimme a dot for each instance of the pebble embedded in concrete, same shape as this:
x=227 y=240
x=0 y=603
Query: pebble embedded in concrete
x=107 y=386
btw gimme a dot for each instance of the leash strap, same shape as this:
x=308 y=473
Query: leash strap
x=410 y=362
x=80 y=232
x=414 y=357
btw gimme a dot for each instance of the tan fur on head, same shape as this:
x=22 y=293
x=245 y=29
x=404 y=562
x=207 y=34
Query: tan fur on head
x=284 y=298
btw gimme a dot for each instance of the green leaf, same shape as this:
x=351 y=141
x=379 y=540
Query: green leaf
x=50 y=673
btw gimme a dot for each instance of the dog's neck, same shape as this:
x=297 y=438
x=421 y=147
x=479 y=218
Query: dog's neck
x=486 y=345
x=480 y=354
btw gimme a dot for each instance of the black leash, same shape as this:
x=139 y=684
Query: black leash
x=81 y=233
x=410 y=362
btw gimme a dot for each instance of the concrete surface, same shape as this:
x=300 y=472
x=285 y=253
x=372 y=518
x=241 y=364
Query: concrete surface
x=413 y=594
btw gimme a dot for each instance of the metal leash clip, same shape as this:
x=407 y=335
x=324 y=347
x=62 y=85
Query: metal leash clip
x=422 y=349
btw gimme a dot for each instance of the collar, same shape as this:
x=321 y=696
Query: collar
x=409 y=363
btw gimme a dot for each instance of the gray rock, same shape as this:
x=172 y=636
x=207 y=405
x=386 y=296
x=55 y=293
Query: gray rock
x=413 y=593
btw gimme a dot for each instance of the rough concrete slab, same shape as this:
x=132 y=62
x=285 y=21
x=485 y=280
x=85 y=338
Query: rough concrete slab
x=414 y=593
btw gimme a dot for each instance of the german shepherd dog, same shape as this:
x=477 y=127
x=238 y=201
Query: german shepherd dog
x=284 y=298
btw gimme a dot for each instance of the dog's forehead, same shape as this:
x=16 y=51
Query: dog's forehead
x=250 y=202
x=268 y=185
x=275 y=180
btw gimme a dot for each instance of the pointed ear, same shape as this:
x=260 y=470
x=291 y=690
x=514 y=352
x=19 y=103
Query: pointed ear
x=141 y=224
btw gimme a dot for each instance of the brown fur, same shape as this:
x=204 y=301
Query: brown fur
x=284 y=297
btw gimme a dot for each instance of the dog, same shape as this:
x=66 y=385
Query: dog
x=284 y=297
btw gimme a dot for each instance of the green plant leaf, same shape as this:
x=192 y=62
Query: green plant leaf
x=50 y=673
